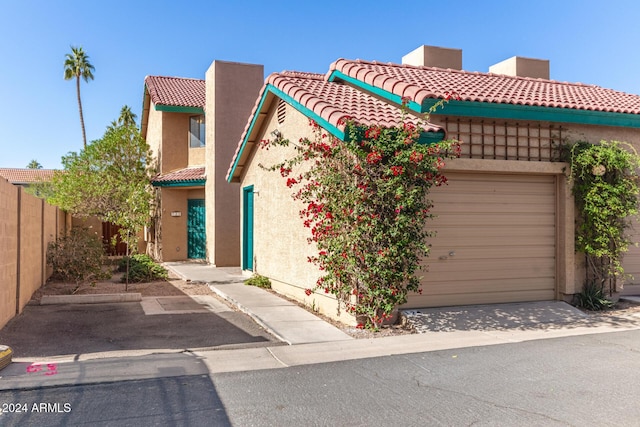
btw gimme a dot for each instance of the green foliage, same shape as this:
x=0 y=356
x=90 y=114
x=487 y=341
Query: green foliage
x=77 y=65
x=77 y=257
x=259 y=281
x=592 y=298
x=108 y=179
x=366 y=205
x=605 y=187
x=34 y=164
x=142 y=268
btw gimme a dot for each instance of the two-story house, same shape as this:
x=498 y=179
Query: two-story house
x=192 y=126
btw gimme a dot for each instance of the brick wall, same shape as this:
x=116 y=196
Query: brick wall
x=27 y=225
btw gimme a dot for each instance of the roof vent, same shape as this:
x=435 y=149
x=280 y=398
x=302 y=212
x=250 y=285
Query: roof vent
x=433 y=56
x=281 y=111
x=522 y=67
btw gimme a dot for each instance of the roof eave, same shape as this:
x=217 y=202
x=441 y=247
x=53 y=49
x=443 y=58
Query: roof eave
x=180 y=183
x=269 y=92
x=501 y=110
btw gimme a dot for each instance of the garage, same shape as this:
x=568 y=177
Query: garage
x=631 y=263
x=495 y=242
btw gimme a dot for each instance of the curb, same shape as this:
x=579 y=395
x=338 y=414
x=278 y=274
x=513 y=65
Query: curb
x=90 y=298
x=5 y=356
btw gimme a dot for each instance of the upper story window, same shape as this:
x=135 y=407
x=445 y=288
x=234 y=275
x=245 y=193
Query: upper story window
x=196 y=131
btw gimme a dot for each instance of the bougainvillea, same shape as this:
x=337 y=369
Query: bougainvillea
x=365 y=204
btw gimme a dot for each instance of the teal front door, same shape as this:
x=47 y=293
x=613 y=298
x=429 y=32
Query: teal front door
x=247 y=228
x=196 y=231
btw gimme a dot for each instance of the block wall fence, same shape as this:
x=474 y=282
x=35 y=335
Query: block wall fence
x=27 y=225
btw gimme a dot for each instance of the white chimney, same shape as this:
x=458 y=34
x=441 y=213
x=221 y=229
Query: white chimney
x=433 y=56
x=522 y=67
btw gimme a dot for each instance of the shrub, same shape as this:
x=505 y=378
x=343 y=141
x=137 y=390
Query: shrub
x=593 y=298
x=142 y=268
x=76 y=257
x=259 y=281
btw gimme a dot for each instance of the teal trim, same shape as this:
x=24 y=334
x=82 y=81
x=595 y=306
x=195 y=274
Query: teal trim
x=178 y=109
x=536 y=113
x=196 y=229
x=374 y=90
x=426 y=137
x=247 y=228
x=304 y=110
x=504 y=111
x=194 y=183
x=307 y=112
x=431 y=137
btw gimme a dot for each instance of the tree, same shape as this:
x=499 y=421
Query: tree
x=33 y=164
x=108 y=179
x=77 y=65
x=127 y=117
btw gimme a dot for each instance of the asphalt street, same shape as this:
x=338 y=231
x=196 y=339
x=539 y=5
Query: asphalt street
x=586 y=380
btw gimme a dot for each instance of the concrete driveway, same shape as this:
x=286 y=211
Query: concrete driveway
x=155 y=323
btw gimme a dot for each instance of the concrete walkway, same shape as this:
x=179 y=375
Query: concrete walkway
x=285 y=320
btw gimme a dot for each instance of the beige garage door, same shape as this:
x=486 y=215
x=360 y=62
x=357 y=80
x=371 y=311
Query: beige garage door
x=631 y=263
x=496 y=241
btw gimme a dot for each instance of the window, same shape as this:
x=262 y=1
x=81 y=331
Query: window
x=196 y=131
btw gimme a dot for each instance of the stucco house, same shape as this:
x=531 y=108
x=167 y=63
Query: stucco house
x=505 y=224
x=192 y=127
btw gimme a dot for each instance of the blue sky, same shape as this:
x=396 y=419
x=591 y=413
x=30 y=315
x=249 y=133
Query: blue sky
x=586 y=41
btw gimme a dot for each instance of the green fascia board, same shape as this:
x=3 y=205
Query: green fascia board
x=425 y=137
x=536 y=113
x=333 y=130
x=194 y=183
x=178 y=109
x=414 y=106
x=504 y=111
x=304 y=110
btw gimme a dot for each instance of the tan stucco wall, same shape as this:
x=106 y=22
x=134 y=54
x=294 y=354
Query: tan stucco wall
x=197 y=156
x=231 y=91
x=280 y=240
x=8 y=249
x=154 y=136
x=175 y=141
x=174 y=229
x=27 y=225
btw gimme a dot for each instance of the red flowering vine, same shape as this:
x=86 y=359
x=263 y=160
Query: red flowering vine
x=366 y=204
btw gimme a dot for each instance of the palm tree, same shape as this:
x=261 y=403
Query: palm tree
x=77 y=65
x=34 y=164
x=127 y=117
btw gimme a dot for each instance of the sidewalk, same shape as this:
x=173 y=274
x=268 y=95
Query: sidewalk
x=285 y=320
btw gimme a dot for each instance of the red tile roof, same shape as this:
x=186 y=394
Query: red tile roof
x=176 y=91
x=182 y=175
x=332 y=101
x=419 y=83
x=26 y=176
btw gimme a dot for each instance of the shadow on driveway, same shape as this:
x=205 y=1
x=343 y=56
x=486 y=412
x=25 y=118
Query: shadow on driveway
x=49 y=330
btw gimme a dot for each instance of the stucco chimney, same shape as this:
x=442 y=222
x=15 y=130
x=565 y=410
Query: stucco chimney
x=522 y=67
x=433 y=56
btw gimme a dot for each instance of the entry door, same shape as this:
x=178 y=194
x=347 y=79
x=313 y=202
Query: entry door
x=196 y=231
x=247 y=228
